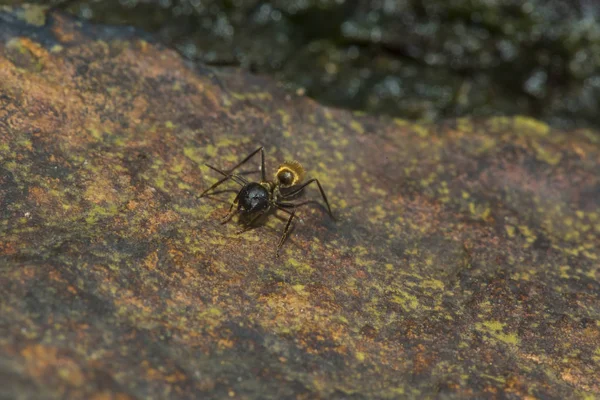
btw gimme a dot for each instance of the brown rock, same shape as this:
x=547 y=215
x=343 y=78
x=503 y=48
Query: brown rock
x=464 y=262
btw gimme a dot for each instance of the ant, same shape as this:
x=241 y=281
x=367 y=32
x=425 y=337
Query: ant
x=256 y=199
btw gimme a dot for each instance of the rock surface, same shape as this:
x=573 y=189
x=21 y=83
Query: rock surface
x=465 y=261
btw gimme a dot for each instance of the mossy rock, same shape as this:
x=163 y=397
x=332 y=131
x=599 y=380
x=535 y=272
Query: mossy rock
x=465 y=260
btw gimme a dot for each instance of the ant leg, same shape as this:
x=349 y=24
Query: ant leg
x=229 y=215
x=284 y=206
x=262 y=160
x=240 y=180
x=249 y=224
x=285 y=233
x=263 y=171
x=235 y=177
x=214 y=185
x=245 y=160
x=301 y=187
x=248 y=157
x=231 y=212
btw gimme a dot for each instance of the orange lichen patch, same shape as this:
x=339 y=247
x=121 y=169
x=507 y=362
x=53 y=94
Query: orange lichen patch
x=168 y=217
x=580 y=151
x=567 y=376
x=225 y=344
x=132 y=205
x=102 y=396
x=585 y=382
x=109 y=395
x=160 y=373
x=140 y=106
x=128 y=302
x=151 y=261
x=56 y=276
x=292 y=313
x=7 y=248
x=514 y=384
x=101 y=190
x=181 y=298
x=41 y=360
x=40 y=196
x=34 y=48
x=69 y=371
x=423 y=359
x=154 y=220
x=64 y=31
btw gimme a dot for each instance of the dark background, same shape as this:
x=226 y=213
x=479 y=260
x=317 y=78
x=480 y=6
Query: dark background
x=422 y=60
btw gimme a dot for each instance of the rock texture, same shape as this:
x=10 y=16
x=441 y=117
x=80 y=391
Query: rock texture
x=465 y=261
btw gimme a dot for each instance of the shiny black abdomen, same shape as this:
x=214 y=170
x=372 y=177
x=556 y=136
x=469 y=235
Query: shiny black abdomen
x=253 y=198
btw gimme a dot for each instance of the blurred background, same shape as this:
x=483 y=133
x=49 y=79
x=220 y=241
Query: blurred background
x=422 y=60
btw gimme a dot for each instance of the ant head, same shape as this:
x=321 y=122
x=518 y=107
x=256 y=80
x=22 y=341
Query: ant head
x=289 y=173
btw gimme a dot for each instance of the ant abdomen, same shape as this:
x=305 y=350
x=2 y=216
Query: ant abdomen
x=290 y=173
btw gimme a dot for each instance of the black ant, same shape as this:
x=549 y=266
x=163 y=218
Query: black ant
x=255 y=199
